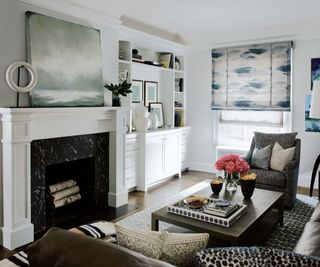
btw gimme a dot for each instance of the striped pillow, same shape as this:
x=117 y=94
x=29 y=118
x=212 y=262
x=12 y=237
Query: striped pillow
x=99 y=230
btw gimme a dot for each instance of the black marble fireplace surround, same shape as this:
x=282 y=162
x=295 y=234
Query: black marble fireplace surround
x=77 y=157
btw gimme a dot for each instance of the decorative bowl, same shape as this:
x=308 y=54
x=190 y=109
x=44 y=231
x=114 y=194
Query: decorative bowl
x=195 y=202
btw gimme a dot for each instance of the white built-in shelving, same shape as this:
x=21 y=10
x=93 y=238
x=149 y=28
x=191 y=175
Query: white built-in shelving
x=154 y=155
x=165 y=77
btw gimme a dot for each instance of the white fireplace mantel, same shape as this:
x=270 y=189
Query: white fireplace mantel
x=20 y=126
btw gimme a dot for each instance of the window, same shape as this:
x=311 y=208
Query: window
x=236 y=128
x=252 y=77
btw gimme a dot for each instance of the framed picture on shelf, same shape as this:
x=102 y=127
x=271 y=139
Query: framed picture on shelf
x=158 y=109
x=137 y=91
x=150 y=92
x=123 y=75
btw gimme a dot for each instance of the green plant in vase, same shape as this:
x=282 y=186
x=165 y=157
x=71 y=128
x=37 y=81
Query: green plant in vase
x=117 y=90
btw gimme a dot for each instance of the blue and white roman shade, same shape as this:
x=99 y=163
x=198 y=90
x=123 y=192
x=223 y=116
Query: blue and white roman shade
x=252 y=77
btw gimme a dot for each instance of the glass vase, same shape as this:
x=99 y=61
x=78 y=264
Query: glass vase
x=231 y=181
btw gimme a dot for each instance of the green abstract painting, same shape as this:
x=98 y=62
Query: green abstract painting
x=67 y=58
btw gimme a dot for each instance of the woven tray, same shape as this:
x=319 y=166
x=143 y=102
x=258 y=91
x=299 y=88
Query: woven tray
x=180 y=208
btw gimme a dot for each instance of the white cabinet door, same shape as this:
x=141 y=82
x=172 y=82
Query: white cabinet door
x=132 y=162
x=172 y=163
x=154 y=159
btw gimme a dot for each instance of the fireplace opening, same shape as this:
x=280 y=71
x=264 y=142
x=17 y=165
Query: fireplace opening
x=69 y=190
x=84 y=160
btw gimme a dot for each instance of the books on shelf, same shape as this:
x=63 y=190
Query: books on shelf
x=178 y=118
x=214 y=209
x=166 y=59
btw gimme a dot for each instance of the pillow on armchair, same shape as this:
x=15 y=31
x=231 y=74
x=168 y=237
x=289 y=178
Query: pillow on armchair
x=261 y=157
x=286 y=140
x=268 y=142
x=280 y=157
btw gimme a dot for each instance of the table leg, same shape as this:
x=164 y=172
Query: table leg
x=154 y=224
x=281 y=210
x=318 y=185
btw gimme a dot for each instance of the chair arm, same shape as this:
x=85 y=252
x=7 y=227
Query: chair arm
x=294 y=163
x=291 y=165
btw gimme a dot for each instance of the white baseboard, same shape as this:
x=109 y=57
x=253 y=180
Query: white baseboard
x=117 y=200
x=202 y=167
x=14 y=238
x=305 y=180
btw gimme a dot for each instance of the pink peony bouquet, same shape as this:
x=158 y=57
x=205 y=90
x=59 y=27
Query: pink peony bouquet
x=232 y=163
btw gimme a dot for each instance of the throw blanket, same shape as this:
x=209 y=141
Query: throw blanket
x=99 y=230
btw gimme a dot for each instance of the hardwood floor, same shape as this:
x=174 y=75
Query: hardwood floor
x=166 y=189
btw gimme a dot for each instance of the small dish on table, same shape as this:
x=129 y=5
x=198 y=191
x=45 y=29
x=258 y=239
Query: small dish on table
x=195 y=202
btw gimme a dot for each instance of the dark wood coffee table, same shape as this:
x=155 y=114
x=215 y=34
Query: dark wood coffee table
x=264 y=211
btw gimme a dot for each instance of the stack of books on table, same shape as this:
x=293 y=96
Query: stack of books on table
x=224 y=212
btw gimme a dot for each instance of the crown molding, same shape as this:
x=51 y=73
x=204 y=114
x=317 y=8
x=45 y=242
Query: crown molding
x=150 y=41
x=77 y=11
x=254 y=36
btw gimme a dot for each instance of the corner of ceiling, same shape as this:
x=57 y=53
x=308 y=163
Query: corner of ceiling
x=140 y=26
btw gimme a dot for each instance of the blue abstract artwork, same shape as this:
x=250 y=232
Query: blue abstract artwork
x=252 y=77
x=311 y=125
x=315 y=70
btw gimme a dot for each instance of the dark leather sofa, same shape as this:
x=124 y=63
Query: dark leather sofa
x=61 y=248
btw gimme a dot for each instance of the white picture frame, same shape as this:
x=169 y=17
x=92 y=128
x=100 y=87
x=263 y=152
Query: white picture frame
x=158 y=109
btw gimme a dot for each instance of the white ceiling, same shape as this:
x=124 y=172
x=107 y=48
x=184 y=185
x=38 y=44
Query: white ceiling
x=197 y=20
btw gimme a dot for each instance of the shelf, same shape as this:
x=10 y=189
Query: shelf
x=151 y=66
x=124 y=62
x=179 y=71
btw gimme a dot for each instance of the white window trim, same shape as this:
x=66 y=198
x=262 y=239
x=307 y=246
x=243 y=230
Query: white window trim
x=287 y=122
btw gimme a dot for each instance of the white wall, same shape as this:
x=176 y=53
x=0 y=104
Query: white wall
x=13 y=43
x=199 y=116
x=303 y=52
x=201 y=119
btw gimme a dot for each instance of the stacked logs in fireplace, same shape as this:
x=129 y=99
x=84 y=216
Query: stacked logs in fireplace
x=63 y=194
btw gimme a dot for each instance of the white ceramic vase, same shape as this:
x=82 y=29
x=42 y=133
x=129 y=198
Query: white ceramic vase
x=141 y=124
x=140 y=111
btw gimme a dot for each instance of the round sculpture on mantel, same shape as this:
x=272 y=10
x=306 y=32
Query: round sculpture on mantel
x=16 y=87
